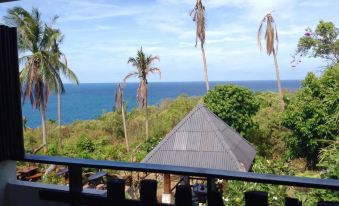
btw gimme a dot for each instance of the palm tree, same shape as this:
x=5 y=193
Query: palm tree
x=144 y=66
x=59 y=63
x=37 y=77
x=119 y=106
x=198 y=15
x=271 y=36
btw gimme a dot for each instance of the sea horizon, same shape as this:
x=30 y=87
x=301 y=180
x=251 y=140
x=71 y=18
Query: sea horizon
x=160 y=81
x=90 y=100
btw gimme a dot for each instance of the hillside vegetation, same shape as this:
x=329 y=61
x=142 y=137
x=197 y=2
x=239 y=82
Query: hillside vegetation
x=280 y=136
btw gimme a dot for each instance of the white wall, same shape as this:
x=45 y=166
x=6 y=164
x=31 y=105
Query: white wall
x=7 y=173
x=22 y=193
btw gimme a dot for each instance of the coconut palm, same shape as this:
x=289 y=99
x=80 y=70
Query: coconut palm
x=59 y=63
x=119 y=106
x=198 y=15
x=144 y=66
x=37 y=77
x=271 y=36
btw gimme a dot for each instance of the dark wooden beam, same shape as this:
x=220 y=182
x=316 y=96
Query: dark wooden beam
x=167 y=183
x=190 y=171
x=4 y=1
x=84 y=198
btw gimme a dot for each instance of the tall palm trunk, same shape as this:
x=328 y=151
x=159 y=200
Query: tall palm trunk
x=277 y=72
x=125 y=128
x=205 y=68
x=59 y=117
x=44 y=129
x=146 y=112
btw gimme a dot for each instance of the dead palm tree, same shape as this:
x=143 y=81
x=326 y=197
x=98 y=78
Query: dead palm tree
x=198 y=15
x=271 y=36
x=119 y=106
x=144 y=66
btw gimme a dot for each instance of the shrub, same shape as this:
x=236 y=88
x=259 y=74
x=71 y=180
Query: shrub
x=312 y=116
x=234 y=104
x=268 y=132
x=112 y=123
x=84 y=147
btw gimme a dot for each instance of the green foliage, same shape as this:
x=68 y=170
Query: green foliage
x=52 y=178
x=268 y=132
x=234 y=104
x=84 y=146
x=329 y=160
x=312 y=116
x=53 y=148
x=322 y=43
x=112 y=123
x=329 y=163
x=234 y=191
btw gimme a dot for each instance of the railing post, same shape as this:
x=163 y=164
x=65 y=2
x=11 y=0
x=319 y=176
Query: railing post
x=209 y=190
x=183 y=195
x=75 y=183
x=256 y=198
x=116 y=192
x=292 y=202
x=148 y=192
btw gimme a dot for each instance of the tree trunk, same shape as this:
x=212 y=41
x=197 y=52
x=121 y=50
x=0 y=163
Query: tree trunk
x=146 y=112
x=125 y=129
x=44 y=129
x=205 y=68
x=59 y=117
x=277 y=72
x=146 y=122
x=49 y=170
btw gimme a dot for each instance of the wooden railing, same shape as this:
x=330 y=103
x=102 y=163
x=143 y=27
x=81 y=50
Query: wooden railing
x=75 y=195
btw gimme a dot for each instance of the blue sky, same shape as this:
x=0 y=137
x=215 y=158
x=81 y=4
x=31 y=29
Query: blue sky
x=101 y=35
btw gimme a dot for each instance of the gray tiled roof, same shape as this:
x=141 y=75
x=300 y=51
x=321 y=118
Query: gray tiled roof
x=203 y=140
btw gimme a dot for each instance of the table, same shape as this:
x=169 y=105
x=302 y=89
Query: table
x=96 y=180
x=29 y=171
x=97 y=176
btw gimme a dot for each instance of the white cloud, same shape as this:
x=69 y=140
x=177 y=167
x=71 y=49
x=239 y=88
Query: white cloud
x=291 y=30
x=101 y=36
x=88 y=10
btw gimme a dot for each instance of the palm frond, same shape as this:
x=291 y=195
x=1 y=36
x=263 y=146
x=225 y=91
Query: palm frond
x=276 y=37
x=198 y=16
x=271 y=34
x=132 y=61
x=118 y=94
x=156 y=70
x=67 y=72
x=131 y=74
x=260 y=33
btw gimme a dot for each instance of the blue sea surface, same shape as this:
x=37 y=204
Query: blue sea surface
x=89 y=100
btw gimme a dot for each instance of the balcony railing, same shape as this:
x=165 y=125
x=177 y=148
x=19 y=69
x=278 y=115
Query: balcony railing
x=75 y=195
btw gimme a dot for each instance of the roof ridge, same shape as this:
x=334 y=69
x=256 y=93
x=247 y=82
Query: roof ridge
x=221 y=137
x=225 y=139
x=196 y=150
x=242 y=139
x=231 y=128
x=166 y=138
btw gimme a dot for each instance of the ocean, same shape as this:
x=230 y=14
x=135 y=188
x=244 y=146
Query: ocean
x=90 y=100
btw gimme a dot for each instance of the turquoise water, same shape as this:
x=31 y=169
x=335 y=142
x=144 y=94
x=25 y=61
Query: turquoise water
x=88 y=101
